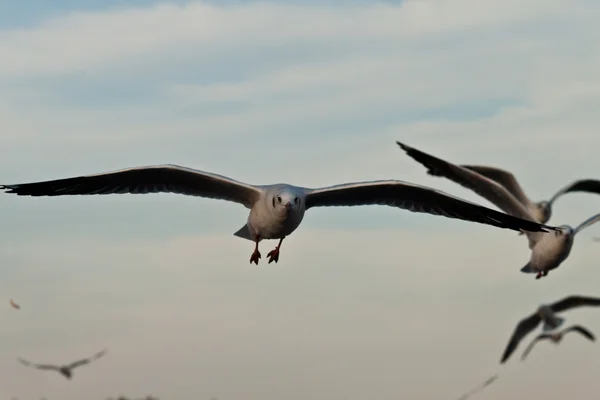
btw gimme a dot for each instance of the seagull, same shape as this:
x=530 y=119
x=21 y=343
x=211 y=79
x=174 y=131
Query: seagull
x=541 y=210
x=546 y=313
x=479 y=388
x=14 y=305
x=556 y=337
x=547 y=251
x=65 y=370
x=275 y=210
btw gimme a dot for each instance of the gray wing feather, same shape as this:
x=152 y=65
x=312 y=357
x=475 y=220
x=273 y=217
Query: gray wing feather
x=504 y=178
x=582 y=185
x=533 y=342
x=415 y=198
x=578 y=328
x=86 y=360
x=588 y=222
x=524 y=326
x=485 y=187
x=574 y=301
x=142 y=180
x=38 y=366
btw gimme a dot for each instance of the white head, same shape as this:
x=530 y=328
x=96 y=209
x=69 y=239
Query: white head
x=565 y=230
x=285 y=202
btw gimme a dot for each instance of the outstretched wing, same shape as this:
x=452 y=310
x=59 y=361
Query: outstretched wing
x=533 y=342
x=38 y=366
x=415 y=198
x=578 y=328
x=574 y=301
x=588 y=222
x=582 y=185
x=87 y=360
x=142 y=180
x=524 y=326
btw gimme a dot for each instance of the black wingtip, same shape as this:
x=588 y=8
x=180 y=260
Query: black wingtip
x=403 y=146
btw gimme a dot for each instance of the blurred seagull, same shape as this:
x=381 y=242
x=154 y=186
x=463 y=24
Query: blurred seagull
x=547 y=314
x=547 y=251
x=556 y=337
x=65 y=370
x=14 y=305
x=275 y=210
x=541 y=210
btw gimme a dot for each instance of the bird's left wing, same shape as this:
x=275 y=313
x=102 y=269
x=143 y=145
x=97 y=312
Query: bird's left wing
x=415 y=198
x=87 y=360
x=574 y=301
x=582 y=185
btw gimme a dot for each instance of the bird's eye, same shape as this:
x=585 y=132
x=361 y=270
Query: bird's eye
x=279 y=199
x=295 y=200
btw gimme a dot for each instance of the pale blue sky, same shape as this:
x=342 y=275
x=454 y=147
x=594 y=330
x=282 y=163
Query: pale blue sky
x=364 y=302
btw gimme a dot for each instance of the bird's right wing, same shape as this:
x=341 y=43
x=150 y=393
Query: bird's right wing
x=504 y=178
x=142 y=180
x=533 y=342
x=578 y=328
x=574 y=301
x=525 y=326
x=485 y=187
x=38 y=366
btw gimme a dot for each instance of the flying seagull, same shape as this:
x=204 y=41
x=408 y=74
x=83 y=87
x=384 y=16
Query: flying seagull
x=65 y=370
x=275 y=210
x=547 y=314
x=556 y=337
x=14 y=305
x=479 y=388
x=547 y=251
x=541 y=210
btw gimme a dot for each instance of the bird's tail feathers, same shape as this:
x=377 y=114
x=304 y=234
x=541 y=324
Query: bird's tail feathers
x=244 y=233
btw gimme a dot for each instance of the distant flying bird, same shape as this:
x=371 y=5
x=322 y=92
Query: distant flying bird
x=547 y=314
x=547 y=251
x=479 y=388
x=65 y=370
x=14 y=305
x=556 y=337
x=275 y=210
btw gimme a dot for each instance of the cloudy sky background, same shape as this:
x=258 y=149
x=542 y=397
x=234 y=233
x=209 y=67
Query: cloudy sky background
x=369 y=302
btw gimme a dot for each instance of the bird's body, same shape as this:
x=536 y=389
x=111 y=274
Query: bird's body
x=275 y=210
x=67 y=369
x=547 y=251
x=557 y=336
x=547 y=314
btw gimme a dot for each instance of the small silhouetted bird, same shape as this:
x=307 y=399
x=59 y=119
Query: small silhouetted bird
x=65 y=370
